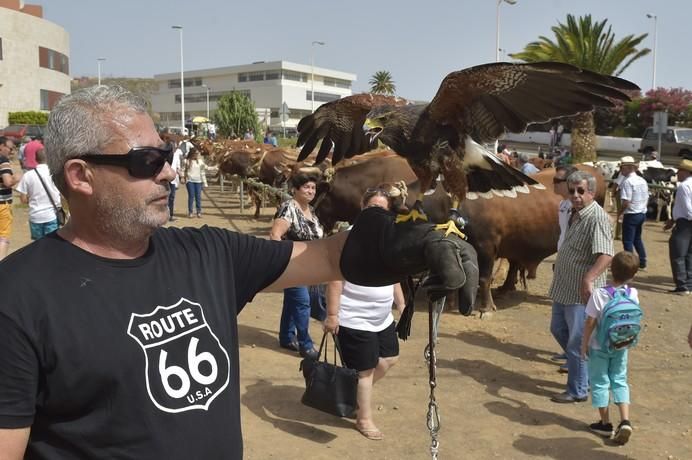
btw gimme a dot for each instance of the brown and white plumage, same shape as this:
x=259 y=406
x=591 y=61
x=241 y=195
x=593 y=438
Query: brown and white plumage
x=472 y=106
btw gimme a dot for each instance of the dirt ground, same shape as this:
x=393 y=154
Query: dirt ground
x=494 y=375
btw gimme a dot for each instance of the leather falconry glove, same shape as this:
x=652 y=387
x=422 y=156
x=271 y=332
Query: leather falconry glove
x=379 y=252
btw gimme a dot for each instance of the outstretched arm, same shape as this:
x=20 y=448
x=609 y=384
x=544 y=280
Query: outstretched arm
x=312 y=262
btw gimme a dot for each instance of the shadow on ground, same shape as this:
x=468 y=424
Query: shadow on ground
x=495 y=378
x=484 y=340
x=287 y=414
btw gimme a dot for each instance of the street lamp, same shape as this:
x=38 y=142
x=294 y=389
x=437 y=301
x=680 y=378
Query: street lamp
x=312 y=68
x=98 y=66
x=182 y=82
x=497 y=27
x=655 y=18
x=207 y=88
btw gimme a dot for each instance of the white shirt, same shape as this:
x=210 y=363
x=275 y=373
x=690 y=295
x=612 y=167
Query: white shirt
x=594 y=308
x=366 y=308
x=564 y=210
x=682 y=208
x=41 y=210
x=635 y=190
x=196 y=171
x=175 y=166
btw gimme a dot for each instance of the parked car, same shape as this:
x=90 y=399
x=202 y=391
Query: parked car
x=675 y=141
x=17 y=132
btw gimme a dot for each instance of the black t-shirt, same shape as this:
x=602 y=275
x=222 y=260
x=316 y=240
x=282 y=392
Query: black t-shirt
x=130 y=358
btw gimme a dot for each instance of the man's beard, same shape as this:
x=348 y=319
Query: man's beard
x=129 y=223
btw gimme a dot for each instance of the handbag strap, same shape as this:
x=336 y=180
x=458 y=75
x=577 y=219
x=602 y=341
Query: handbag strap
x=337 y=348
x=50 y=197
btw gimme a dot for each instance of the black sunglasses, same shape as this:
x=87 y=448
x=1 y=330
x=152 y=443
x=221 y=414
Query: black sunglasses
x=579 y=190
x=558 y=181
x=141 y=162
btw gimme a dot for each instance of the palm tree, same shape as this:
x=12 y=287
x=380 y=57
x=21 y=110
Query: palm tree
x=381 y=83
x=589 y=45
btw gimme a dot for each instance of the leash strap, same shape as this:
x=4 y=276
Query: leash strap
x=435 y=308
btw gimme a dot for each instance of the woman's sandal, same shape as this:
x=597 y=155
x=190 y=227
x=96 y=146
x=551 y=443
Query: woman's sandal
x=371 y=434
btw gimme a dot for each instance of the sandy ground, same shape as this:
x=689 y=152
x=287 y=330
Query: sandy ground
x=495 y=377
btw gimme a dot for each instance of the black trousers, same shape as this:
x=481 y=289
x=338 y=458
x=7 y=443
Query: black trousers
x=680 y=248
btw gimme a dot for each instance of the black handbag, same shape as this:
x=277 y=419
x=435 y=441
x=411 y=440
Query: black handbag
x=60 y=213
x=328 y=387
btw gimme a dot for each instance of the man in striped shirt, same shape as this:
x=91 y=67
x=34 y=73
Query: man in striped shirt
x=634 y=195
x=7 y=181
x=579 y=268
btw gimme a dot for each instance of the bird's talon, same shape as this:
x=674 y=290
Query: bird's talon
x=449 y=228
x=412 y=215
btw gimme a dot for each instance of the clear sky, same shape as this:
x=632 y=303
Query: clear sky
x=418 y=42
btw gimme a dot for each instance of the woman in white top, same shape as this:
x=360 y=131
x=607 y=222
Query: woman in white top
x=195 y=178
x=362 y=318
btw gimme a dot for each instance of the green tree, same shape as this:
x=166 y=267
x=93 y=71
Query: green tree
x=382 y=83
x=235 y=113
x=592 y=46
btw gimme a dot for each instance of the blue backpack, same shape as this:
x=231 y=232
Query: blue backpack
x=620 y=322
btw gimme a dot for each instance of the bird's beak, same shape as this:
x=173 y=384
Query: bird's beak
x=372 y=128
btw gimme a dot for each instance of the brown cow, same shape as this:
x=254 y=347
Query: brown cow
x=338 y=199
x=523 y=230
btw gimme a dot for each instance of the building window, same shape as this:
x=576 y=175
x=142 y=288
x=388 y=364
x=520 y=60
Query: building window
x=256 y=76
x=188 y=82
x=272 y=74
x=294 y=76
x=50 y=59
x=214 y=96
x=337 y=82
x=322 y=97
x=242 y=77
x=49 y=99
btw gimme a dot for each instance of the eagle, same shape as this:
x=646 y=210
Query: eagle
x=472 y=106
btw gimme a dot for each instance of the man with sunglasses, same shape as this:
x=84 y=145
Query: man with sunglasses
x=105 y=352
x=580 y=267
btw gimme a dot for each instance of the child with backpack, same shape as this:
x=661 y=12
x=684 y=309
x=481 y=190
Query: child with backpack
x=612 y=325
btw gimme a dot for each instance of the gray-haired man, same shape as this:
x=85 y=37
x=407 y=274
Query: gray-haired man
x=580 y=267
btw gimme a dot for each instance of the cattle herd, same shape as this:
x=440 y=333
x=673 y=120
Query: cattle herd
x=522 y=229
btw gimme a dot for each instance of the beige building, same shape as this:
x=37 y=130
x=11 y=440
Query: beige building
x=34 y=59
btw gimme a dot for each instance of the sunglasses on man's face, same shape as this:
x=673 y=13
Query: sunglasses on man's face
x=579 y=190
x=141 y=162
x=557 y=180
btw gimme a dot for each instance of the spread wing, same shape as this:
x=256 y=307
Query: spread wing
x=486 y=100
x=339 y=124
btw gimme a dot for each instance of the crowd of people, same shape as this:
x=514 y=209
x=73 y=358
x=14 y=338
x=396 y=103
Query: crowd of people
x=97 y=363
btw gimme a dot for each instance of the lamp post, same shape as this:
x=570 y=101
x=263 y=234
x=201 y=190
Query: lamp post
x=98 y=66
x=312 y=69
x=207 y=88
x=182 y=82
x=497 y=27
x=655 y=18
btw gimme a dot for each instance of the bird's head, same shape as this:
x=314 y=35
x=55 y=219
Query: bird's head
x=378 y=121
x=391 y=125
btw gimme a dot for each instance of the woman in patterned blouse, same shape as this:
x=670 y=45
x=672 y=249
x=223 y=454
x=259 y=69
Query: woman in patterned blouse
x=295 y=220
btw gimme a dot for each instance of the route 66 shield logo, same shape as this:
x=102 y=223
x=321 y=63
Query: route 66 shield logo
x=186 y=366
